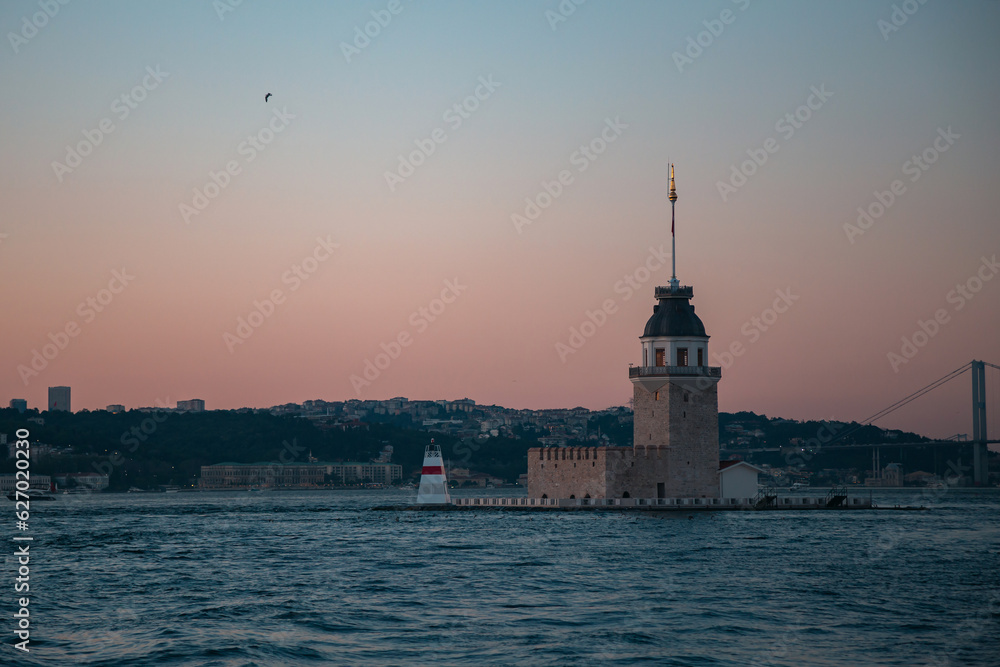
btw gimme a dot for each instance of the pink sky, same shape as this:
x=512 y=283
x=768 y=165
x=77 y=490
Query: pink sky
x=323 y=177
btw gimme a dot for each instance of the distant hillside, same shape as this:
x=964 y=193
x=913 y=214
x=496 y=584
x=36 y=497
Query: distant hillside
x=144 y=449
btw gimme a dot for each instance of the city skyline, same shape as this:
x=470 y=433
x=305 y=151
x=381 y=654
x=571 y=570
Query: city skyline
x=468 y=190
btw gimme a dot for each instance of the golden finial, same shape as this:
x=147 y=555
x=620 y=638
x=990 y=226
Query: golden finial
x=673 y=188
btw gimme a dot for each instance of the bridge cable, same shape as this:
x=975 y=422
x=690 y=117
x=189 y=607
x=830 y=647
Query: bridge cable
x=917 y=394
x=904 y=401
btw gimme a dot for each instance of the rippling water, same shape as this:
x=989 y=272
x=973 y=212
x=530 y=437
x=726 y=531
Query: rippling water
x=288 y=578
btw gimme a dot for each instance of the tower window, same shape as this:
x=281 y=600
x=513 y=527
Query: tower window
x=701 y=356
x=682 y=356
x=686 y=395
x=656 y=395
x=660 y=355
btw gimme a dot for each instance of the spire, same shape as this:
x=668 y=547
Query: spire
x=672 y=196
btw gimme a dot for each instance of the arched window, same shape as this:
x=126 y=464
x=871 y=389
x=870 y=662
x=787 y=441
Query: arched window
x=545 y=495
x=626 y=495
x=572 y=496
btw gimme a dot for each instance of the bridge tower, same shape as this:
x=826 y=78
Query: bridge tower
x=980 y=451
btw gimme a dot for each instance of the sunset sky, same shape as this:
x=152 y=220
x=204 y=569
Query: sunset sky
x=117 y=116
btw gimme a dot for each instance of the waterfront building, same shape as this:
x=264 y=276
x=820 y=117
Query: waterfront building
x=351 y=472
x=260 y=475
x=738 y=479
x=92 y=481
x=301 y=475
x=675 y=438
x=8 y=483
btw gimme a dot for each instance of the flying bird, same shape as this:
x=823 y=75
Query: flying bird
x=267 y=96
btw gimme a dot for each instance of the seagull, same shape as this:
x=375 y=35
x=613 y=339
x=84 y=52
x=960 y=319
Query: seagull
x=267 y=96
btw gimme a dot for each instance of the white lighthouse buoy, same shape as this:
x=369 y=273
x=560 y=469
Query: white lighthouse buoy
x=433 y=481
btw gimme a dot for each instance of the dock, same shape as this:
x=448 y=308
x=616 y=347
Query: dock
x=762 y=502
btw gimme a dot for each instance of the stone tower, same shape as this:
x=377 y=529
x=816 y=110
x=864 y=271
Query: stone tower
x=675 y=449
x=676 y=402
x=675 y=392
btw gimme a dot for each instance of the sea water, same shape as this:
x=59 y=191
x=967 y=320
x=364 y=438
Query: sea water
x=314 y=578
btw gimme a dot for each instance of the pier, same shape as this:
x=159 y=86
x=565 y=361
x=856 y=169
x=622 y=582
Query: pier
x=762 y=502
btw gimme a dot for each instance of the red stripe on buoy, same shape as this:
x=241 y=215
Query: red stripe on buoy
x=432 y=470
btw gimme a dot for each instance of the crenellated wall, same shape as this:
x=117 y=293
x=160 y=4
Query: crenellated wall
x=562 y=472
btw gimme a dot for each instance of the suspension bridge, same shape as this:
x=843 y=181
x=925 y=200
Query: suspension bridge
x=979 y=442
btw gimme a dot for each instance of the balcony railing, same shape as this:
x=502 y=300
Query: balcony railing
x=647 y=371
x=665 y=291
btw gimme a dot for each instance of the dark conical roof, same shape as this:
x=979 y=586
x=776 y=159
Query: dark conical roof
x=674 y=316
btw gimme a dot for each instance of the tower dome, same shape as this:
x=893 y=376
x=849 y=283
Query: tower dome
x=674 y=315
